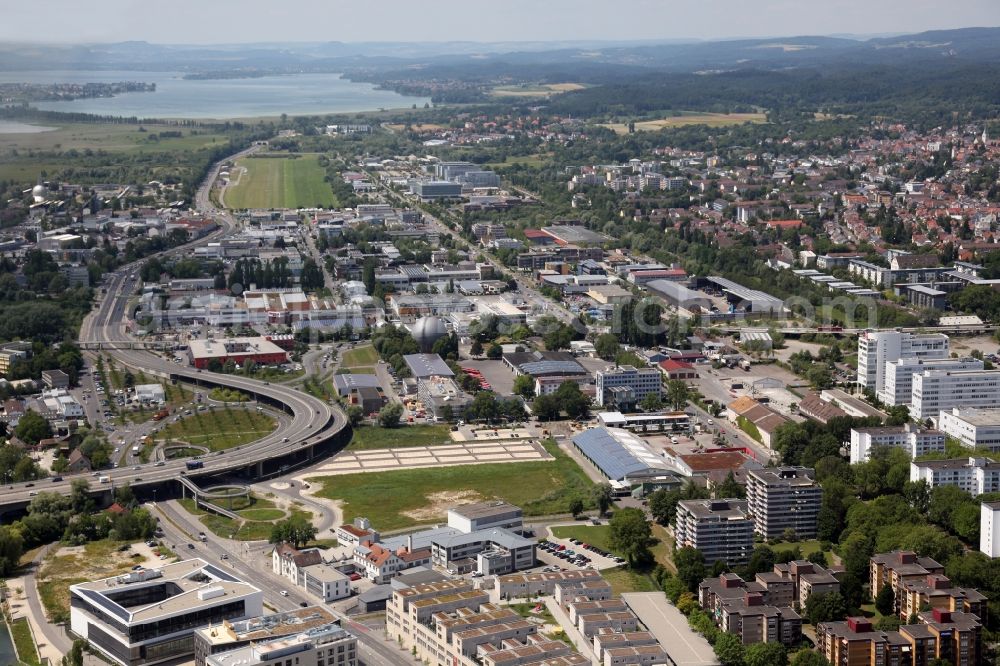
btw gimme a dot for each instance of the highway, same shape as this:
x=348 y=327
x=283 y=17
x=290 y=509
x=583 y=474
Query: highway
x=312 y=426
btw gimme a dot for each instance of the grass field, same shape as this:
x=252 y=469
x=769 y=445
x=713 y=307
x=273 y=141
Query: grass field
x=120 y=139
x=623 y=579
x=535 y=90
x=99 y=559
x=600 y=536
x=375 y=437
x=359 y=357
x=258 y=516
x=710 y=119
x=23 y=641
x=220 y=429
x=279 y=182
x=540 y=488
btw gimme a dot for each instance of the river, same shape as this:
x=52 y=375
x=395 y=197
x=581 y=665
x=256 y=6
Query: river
x=176 y=97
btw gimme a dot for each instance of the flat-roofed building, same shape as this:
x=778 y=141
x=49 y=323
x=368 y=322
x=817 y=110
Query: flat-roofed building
x=754 y=621
x=721 y=529
x=975 y=476
x=937 y=390
x=783 y=498
x=877 y=348
x=328 y=645
x=524 y=585
x=898 y=381
x=260 y=350
x=855 y=642
x=916 y=441
x=230 y=635
x=989 y=528
x=485 y=515
x=898 y=567
x=974 y=428
x=627 y=385
x=937 y=592
x=149 y=616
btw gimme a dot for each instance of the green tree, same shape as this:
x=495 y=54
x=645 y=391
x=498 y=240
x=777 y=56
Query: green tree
x=388 y=416
x=296 y=530
x=885 y=600
x=631 y=535
x=677 y=394
x=355 y=414
x=603 y=497
x=11 y=549
x=730 y=488
x=766 y=654
x=494 y=352
x=690 y=565
x=807 y=657
x=576 y=506
x=476 y=349
x=524 y=386
x=729 y=649
x=825 y=607
x=607 y=346
x=651 y=402
x=545 y=407
x=32 y=428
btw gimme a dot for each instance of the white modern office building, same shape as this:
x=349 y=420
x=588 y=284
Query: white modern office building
x=328 y=645
x=150 y=615
x=627 y=385
x=876 y=348
x=912 y=439
x=989 y=528
x=975 y=428
x=973 y=475
x=937 y=390
x=898 y=382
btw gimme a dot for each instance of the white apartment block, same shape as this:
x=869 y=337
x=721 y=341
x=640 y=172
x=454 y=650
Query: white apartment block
x=898 y=381
x=989 y=528
x=781 y=498
x=973 y=475
x=876 y=348
x=721 y=529
x=936 y=390
x=912 y=439
x=974 y=428
x=627 y=384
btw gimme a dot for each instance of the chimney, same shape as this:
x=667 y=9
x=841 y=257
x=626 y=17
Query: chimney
x=409 y=543
x=907 y=557
x=942 y=616
x=938 y=582
x=859 y=625
x=754 y=599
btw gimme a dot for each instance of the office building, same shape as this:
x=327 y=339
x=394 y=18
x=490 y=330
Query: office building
x=783 y=498
x=484 y=516
x=721 y=529
x=914 y=440
x=974 y=428
x=150 y=616
x=327 y=645
x=626 y=386
x=898 y=383
x=203 y=353
x=490 y=552
x=973 y=475
x=436 y=189
x=876 y=348
x=937 y=390
x=231 y=635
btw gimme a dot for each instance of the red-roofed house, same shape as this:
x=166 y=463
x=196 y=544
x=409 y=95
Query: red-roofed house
x=678 y=370
x=381 y=564
x=783 y=224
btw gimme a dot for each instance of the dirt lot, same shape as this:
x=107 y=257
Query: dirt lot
x=441 y=502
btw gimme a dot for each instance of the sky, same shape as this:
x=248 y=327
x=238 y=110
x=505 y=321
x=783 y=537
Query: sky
x=237 y=21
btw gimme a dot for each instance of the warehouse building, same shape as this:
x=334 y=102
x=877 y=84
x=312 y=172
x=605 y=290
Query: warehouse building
x=202 y=353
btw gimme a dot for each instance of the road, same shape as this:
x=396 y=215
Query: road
x=312 y=422
x=250 y=561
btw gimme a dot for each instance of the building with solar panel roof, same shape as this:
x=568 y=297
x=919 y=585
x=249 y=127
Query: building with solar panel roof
x=149 y=616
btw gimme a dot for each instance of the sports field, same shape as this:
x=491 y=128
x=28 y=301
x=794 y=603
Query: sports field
x=535 y=90
x=710 y=119
x=279 y=182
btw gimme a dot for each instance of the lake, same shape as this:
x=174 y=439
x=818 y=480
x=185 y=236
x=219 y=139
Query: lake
x=176 y=97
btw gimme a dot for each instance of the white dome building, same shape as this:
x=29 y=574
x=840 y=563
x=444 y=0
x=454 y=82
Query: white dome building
x=39 y=193
x=428 y=330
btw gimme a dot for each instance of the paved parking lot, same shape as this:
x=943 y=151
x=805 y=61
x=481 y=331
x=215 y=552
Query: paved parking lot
x=447 y=455
x=596 y=561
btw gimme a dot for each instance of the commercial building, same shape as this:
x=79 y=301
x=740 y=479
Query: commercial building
x=544 y=364
x=783 y=498
x=230 y=635
x=974 y=428
x=679 y=296
x=442 y=397
x=746 y=299
x=425 y=366
x=202 y=353
x=876 y=348
x=55 y=379
x=488 y=551
x=619 y=454
x=898 y=382
x=431 y=190
x=327 y=645
x=973 y=475
x=721 y=529
x=937 y=390
x=914 y=440
x=626 y=386
x=484 y=516
x=150 y=616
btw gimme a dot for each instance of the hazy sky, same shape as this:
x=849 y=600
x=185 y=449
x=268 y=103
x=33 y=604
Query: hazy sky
x=229 y=21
